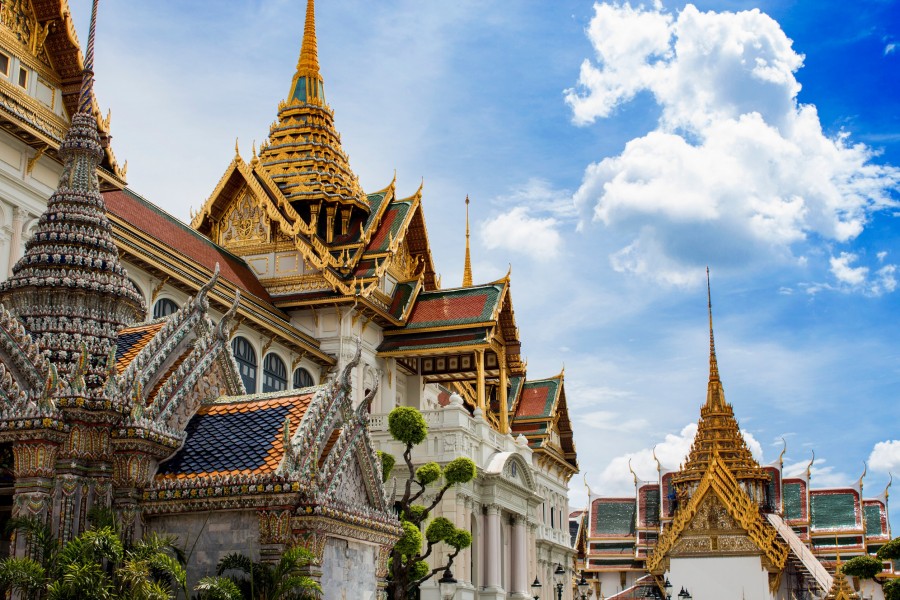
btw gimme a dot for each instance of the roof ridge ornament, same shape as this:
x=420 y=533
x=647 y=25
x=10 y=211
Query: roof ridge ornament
x=467 y=267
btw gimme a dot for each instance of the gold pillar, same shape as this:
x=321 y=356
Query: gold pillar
x=479 y=366
x=504 y=383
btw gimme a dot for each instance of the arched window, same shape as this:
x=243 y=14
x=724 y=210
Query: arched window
x=164 y=308
x=246 y=360
x=274 y=374
x=302 y=378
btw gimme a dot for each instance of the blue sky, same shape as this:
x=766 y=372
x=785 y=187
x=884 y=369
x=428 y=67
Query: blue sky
x=611 y=153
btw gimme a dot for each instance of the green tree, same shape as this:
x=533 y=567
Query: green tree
x=286 y=579
x=891 y=589
x=890 y=551
x=408 y=563
x=864 y=567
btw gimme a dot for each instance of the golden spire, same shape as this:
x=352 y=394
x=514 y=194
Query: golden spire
x=467 y=269
x=718 y=433
x=308 y=85
x=715 y=394
x=840 y=587
x=309 y=52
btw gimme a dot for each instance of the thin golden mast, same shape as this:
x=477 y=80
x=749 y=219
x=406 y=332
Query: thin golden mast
x=467 y=269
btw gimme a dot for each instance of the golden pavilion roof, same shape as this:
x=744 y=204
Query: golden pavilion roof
x=303 y=154
x=718 y=433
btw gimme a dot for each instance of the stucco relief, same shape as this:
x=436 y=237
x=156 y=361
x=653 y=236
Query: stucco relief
x=245 y=223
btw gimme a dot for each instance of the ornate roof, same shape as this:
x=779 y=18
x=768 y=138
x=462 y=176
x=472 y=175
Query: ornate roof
x=303 y=154
x=541 y=414
x=725 y=505
x=718 y=433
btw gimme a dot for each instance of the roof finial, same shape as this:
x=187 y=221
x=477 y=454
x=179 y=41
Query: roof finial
x=87 y=78
x=308 y=85
x=713 y=364
x=309 y=51
x=467 y=269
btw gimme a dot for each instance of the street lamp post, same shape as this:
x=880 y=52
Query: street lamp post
x=447 y=584
x=559 y=574
x=583 y=586
x=536 y=588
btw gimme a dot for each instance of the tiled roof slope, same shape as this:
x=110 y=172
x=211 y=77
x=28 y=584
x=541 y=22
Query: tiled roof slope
x=238 y=435
x=460 y=306
x=538 y=398
x=132 y=340
x=171 y=232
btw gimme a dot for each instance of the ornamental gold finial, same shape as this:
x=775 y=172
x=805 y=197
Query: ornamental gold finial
x=308 y=87
x=308 y=64
x=713 y=363
x=467 y=268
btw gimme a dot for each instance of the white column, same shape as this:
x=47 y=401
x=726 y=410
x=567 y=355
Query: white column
x=493 y=555
x=15 y=241
x=519 y=557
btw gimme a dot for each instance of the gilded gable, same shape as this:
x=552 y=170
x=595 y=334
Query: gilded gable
x=713 y=530
x=245 y=224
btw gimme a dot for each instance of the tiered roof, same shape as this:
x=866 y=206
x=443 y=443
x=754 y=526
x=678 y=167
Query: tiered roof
x=303 y=154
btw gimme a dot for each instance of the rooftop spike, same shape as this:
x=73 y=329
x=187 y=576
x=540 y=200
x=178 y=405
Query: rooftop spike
x=713 y=363
x=467 y=269
x=308 y=85
x=87 y=79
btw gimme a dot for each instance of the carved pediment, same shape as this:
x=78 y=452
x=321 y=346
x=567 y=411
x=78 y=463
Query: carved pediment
x=245 y=223
x=713 y=531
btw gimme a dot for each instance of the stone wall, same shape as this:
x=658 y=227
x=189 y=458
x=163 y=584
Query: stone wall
x=348 y=570
x=207 y=537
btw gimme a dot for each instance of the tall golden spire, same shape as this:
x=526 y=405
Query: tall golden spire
x=467 y=269
x=308 y=85
x=718 y=433
x=715 y=395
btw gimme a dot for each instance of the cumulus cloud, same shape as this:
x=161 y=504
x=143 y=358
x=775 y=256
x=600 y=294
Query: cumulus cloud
x=617 y=480
x=530 y=221
x=822 y=475
x=851 y=277
x=736 y=169
x=885 y=456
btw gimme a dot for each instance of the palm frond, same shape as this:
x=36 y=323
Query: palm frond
x=218 y=588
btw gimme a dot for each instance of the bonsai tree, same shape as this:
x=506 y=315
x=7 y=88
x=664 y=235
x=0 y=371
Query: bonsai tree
x=864 y=567
x=890 y=551
x=891 y=589
x=408 y=565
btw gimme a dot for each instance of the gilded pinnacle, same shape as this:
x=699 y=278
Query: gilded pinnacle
x=467 y=269
x=308 y=64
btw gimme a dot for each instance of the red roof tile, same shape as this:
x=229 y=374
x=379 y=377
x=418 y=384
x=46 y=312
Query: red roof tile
x=448 y=308
x=176 y=235
x=533 y=401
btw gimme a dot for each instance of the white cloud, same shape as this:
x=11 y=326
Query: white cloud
x=518 y=231
x=856 y=278
x=844 y=273
x=821 y=475
x=613 y=421
x=736 y=170
x=890 y=48
x=885 y=456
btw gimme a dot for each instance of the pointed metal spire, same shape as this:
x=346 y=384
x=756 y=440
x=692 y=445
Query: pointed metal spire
x=713 y=363
x=308 y=85
x=309 y=52
x=467 y=268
